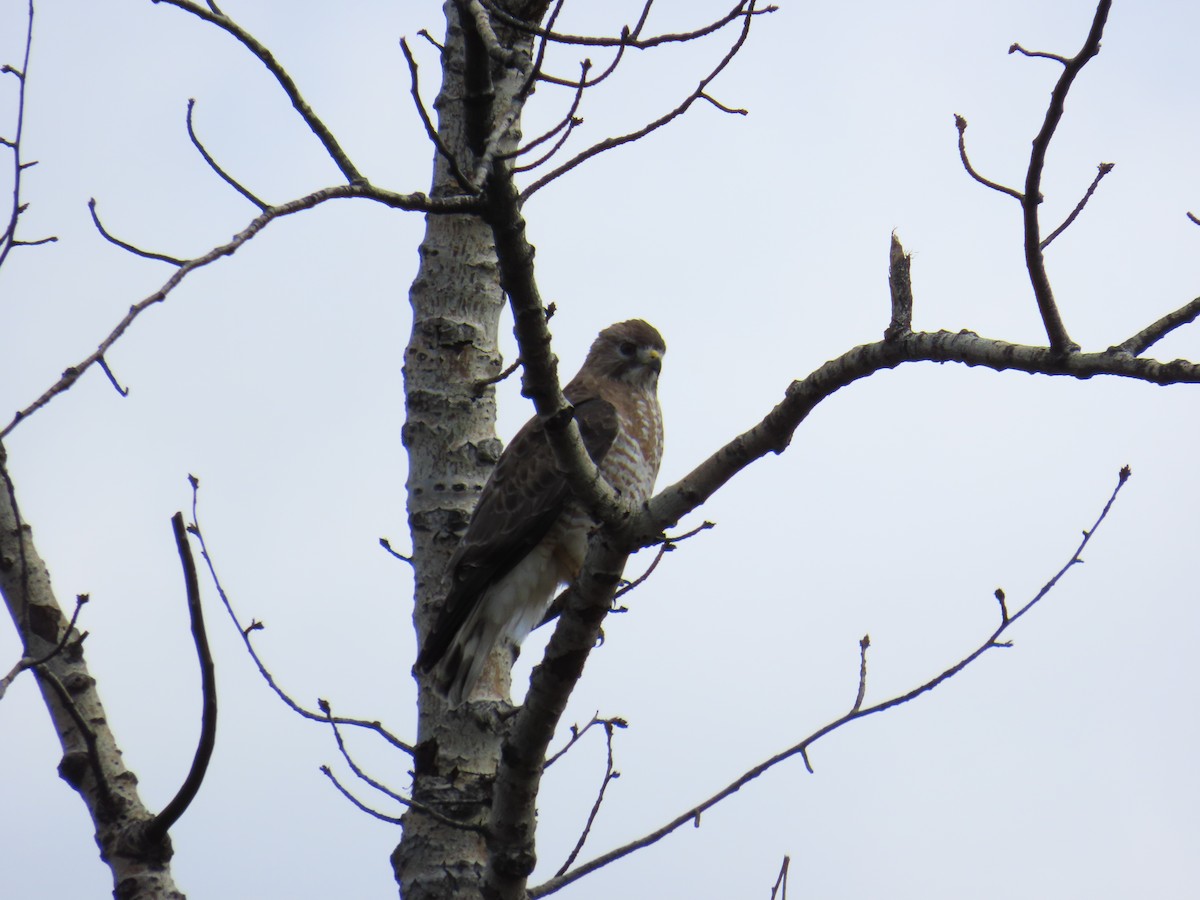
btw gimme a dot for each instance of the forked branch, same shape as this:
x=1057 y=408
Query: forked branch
x=993 y=641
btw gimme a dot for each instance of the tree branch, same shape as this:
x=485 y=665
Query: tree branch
x=1101 y=170
x=157 y=829
x=263 y=55
x=1152 y=334
x=245 y=632
x=1056 y=331
x=747 y=13
x=856 y=712
x=212 y=163
x=414 y=202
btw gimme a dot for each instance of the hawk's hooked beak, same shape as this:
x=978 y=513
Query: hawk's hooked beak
x=650 y=358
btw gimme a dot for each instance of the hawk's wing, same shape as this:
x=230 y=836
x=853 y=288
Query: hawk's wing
x=520 y=502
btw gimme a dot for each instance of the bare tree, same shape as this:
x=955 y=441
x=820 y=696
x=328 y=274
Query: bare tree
x=470 y=817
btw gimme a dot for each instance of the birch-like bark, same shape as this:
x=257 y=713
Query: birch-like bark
x=449 y=434
x=91 y=762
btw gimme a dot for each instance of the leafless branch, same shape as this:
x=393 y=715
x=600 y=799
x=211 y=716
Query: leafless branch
x=1152 y=334
x=263 y=55
x=125 y=245
x=421 y=808
x=1037 y=54
x=26 y=662
x=103 y=363
x=747 y=11
x=415 y=89
x=780 y=887
x=414 y=202
x=1101 y=170
x=577 y=733
x=89 y=736
x=862 y=672
x=245 y=632
x=1193 y=219
x=743 y=8
x=161 y=824
x=665 y=546
x=345 y=792
x=8 y=239
x=387 y=545
x=610 y=775
x=961 y=124
x=484 y=383
x=212 y=163
x=992 y=641
x=1056 y=331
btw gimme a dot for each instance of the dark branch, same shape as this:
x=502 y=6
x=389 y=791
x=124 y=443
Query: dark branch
x=858 y=712
x=245 y=632
x=161 y=824
x=414 y=202
x=1056 y=331
x=430 y=130
x=610 y=775
x=747 y=12
x=263 y=55
x=1152 y=334
x=1101 y=170
x=103 y=363
x=961 y=124
x=743 y=8
x=137 y=251
x=421 y=808
x=387 y=545
x=8 y=239
x=212 y=163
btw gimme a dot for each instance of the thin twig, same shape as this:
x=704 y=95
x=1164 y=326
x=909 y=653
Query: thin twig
x=415 y=89
x=1152 y=334
x=245 y=632
x=780 y=887
x=961 y=124
x=387 y=545
x=345 y=792
x=125 y=245
x=743 y=8
x=1035 y=263
x=103 y=363
x=161 y=824
x=26 y=662
x=277 y=69
x=89 y=736
x=484 y=383
x=1101 y=170
x=801 y=749
x=8 y=239
x=610 y=775
x=212 y=163
x=421 y=808
x=862 y=672
x=1037 y=54
x=414 y=202
x=748 y=12
x=577 y=733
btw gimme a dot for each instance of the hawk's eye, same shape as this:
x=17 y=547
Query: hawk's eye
x=628 y=348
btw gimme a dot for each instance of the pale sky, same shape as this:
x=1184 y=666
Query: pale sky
x=1062 y=768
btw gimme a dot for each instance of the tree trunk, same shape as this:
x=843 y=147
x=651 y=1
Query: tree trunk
x=452 y=447
x=91 y=762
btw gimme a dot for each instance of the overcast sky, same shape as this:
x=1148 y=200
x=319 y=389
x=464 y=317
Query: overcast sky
x=1062 y=768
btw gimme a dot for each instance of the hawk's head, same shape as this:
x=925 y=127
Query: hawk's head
x=629 y=351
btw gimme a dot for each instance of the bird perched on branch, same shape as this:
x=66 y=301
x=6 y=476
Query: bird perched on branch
x=528 y=534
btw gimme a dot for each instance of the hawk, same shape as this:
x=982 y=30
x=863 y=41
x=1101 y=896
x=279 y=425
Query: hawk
x=528 y=534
